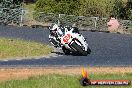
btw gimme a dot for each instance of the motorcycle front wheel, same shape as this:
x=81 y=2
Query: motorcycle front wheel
x=66 y=51
x=79 y=49
x=88 y=50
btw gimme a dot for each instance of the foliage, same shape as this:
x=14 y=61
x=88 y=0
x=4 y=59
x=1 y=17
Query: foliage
x=58 y=6
x=10 y=11
x=121 y=10
x=10 y=3
x=100 y=8
x=45 y=17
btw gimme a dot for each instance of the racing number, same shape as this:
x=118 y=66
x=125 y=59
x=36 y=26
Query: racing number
x=66 y=38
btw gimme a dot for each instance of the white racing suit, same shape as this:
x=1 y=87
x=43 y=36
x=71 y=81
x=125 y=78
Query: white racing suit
x=54 y=38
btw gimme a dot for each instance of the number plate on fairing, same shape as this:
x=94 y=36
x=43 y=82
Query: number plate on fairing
x=66 y=38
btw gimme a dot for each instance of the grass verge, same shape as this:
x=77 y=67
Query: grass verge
x=29 y=7
x=28 y=18
x=10 y=48
x=62 y=81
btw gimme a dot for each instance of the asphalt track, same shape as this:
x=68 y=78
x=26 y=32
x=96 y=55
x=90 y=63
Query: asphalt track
x=107 y=49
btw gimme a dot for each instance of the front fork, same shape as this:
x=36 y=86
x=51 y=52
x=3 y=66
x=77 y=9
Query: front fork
x=83 y=44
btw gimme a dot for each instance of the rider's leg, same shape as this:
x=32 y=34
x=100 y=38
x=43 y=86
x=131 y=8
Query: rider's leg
x=54 y=42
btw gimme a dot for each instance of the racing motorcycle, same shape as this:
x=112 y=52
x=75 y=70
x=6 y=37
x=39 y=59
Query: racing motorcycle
x=74 y=42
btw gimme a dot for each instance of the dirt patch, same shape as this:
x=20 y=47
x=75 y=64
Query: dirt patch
x=24 y=73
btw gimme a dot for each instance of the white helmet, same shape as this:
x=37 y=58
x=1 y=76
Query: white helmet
x=54 y=27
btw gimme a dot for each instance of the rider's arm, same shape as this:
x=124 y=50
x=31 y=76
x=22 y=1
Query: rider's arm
x=60 y=32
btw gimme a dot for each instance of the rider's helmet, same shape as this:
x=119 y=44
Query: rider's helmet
x=54 y=28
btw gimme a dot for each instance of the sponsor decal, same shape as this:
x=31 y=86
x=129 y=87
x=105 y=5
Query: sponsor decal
x=66 y=38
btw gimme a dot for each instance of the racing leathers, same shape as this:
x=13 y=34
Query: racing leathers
x=54 y=37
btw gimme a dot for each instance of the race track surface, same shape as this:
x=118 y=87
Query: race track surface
x=107 y=49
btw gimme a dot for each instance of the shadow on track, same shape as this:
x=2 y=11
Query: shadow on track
x=71 y=54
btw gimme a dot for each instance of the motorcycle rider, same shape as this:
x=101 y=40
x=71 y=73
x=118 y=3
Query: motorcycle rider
x=55 y=34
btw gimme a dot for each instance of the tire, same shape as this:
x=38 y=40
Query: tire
x=66 y=51
x=88 y=50
x=79 y=49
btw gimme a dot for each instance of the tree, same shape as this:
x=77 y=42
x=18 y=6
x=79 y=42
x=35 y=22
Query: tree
x=122 y=10
x=58 y=6
x=100 y=8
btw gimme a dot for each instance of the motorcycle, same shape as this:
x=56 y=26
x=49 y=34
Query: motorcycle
x=74 y=42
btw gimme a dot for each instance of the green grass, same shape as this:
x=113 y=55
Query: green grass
x=29 y=7
x=10 y=48
x=28 y=17
x=61 y=81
